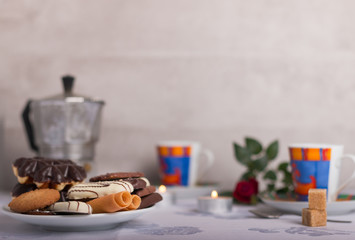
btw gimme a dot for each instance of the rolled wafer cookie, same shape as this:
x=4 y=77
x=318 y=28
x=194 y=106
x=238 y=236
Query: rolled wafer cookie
x=111 y=203
x=94 y=190
x=71 y=207
x=136 y=202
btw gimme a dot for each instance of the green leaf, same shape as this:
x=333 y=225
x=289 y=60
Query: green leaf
x=247 y=176
x=270 y=187
x=253 y=145
x=272 y=150
x=260 y=164
x=287 y=178
x=270 y=175
x=283 y=166
x=241 y=154
x=282 y=190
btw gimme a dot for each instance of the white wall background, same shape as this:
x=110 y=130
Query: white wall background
x=212 y=71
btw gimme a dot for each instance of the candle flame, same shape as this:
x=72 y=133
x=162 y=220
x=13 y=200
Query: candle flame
x=214 y=194
x=162 y=189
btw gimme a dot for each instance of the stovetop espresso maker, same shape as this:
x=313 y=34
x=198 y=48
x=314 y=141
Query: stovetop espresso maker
x=65 y=126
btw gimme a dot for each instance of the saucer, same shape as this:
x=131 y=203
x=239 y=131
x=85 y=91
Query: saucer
x=287 y=203
x=181 y=192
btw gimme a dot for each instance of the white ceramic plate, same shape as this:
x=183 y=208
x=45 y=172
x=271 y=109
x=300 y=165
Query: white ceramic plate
x=333 y=208
x=77 y=222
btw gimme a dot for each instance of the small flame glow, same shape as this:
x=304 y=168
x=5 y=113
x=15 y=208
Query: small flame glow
x=214 y=194
x=162 y=189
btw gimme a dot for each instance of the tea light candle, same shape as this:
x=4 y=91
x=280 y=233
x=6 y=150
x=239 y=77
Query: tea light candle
x=167 y=196
x=215 y=204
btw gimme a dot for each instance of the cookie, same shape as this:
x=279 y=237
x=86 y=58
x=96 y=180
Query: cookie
x=137 y=183
x=36 y=199
x=111 y=203
x=145 y=191
x=92 y=190
x=150 y=200
x=63 y=194
x=136 y=202
x=146 y=181
x=19 y=189
x=71 y=207
x=48 y=173
x=40 y=212
x=116 y=176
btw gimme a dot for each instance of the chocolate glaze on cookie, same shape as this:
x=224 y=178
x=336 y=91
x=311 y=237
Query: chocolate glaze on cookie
x=51 y=171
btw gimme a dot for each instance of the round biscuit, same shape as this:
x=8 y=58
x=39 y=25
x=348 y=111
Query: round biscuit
x=32 y=200
x=116 y=176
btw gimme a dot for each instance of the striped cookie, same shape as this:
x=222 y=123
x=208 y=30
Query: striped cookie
x=71 y=207
x=92 y=190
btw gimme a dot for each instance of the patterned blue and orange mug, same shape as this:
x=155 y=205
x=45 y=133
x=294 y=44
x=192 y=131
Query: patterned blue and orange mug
x=318 y=166
x=180 y=162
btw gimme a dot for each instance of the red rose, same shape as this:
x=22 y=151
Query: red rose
x=245 y=190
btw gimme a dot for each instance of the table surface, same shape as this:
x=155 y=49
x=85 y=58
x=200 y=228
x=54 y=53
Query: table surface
x=183 y=221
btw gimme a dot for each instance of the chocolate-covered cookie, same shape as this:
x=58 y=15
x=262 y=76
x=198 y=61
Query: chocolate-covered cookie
x=138 y=183
x=116 y=176
x=150 y=200
x=48 y=173
x=19 y=189
x=145 y=191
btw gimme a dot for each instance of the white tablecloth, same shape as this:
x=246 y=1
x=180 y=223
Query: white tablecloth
x=183 y=221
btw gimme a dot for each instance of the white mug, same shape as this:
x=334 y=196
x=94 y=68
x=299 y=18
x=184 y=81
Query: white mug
x=318 y=166
x=180 y=162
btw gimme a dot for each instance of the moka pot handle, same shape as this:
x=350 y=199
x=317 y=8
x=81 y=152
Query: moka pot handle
x=29 y=126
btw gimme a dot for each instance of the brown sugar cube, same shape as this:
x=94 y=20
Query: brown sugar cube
x=317 y=198
x=314 y=218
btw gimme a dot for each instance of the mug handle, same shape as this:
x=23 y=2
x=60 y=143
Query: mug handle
x=209 y=159
x=29 y=126
x=343 y=185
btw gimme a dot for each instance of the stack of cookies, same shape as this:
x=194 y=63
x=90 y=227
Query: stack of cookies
x=98 y=192
x=48 y=186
